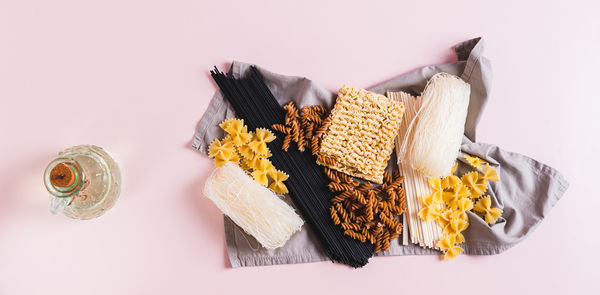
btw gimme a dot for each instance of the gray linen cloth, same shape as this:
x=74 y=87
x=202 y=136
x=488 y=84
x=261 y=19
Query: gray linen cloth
x=527 y=191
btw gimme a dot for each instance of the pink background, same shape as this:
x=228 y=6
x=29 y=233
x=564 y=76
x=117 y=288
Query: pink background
x=132 y=77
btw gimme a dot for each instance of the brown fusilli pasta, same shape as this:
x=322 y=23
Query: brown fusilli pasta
x=355 y=235
x=315 y=142
x=286 y=142
x=345 y=178
x=365 y=186
x=291 y=112
x=308 y=131
x=339 y=187
x=302 y=125
x=295 y=130
x=343 y=213
x=281 y=128
x=327 y=160
x=334 y=216
x=387 y=178
x=321 y=130
x=315 y=119
x=397 y=182
x=320 y=110
x=370 y=212
x=332 y=175
x=301 y=142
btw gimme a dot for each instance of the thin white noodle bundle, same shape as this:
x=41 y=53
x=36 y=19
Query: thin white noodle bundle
x=438 y=126
x=255 y=208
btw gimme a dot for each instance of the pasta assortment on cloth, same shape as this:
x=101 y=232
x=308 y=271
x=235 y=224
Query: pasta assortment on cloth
x=249 y=151
x=527 y=192
x=361 y=132
x=452 y=197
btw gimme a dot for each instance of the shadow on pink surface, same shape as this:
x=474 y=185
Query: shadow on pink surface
x=24 y=186
x=209 y=216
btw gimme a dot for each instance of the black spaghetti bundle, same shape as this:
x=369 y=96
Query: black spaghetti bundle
x=254 y=102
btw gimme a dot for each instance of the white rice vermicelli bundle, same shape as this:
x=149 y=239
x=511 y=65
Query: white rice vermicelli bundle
x=255 y=208
x=438 y=130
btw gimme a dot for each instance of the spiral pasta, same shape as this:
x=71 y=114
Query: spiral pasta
x=286 y=142
x=366 y=213
x=331 y=175
x=339 y=187
x=327 y=161
x=334 y=216
x=302 y=126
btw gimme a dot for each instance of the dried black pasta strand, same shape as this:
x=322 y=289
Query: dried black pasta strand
x=345 y=258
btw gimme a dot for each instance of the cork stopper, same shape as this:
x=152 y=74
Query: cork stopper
x=62 y=176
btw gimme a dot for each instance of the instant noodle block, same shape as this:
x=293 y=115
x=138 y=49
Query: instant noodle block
x=360 y=137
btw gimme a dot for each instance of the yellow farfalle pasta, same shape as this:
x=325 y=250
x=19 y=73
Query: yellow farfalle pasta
x=444 y=218
x=454 y=195
x=484 y=207
x=258 y=144
x=490 y=174
x=454 y=168
x=244 y=164
x=476 y=184
x=278 y=179
x=217 y=148
x=455 y=227
x=222 y=152
x=237 y=130
x=220 y=161
x=438 y=189
x=361 y=132
x=263 y=165
x=227 y=139
x=246 y=152
x=475 y=161
x=450 y=181
x=252 y=162
x=261 y=169
x=463 y=205
x=431 y=209
x=447 y=245
x=234 y=158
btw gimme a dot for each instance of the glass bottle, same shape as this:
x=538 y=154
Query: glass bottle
x=83 y=182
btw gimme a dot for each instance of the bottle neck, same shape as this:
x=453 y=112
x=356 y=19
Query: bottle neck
x=64 y=178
